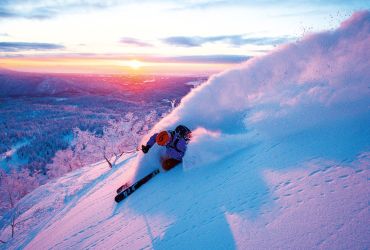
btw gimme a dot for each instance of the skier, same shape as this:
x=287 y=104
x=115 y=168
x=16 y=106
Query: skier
x=175 y=143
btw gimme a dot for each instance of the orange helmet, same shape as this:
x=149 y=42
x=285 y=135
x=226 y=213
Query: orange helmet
x=163 y=138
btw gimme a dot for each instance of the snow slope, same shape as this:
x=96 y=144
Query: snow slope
x=280 y=159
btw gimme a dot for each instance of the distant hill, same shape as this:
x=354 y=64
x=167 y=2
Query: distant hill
x=13 y=84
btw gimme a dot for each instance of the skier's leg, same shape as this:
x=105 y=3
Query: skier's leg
x=168 y=164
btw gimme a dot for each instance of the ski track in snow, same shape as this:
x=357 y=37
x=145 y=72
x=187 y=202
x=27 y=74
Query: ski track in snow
x=314 y=208
x=235 y=206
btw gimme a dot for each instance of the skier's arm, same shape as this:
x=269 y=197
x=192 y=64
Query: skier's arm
x=151 y=141
x=149 y=144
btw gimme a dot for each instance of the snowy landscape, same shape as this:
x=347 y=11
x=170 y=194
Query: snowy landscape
x=40 y=111
x=279 y=159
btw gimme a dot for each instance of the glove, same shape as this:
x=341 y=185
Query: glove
x=145 y=149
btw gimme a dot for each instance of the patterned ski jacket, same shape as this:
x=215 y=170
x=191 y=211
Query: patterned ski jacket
x=175 y=149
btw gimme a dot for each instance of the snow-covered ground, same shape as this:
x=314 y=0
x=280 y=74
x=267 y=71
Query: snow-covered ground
x=280 y=159
x=12 y=154
x=247 y=201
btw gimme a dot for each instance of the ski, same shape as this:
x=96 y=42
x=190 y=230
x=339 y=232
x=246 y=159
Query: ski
x=128 y=191
x=124 y=186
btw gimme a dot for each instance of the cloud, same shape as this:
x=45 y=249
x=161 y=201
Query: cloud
x=22 y=46
x=183 y=41
x=209 y=4
x=234 y=40
x=44 y=9
x=13 y=11
x=135 y=42
x=206 y=59
x=5 y=13
x=211 y=59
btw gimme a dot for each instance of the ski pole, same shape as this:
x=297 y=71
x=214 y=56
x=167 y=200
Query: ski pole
x=132 y=151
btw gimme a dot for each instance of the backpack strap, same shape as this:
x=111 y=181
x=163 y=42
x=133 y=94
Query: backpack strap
x=174 y=144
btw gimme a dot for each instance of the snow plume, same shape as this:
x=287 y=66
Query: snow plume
x=323 y=78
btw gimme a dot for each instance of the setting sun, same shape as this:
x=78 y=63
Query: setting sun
x=135 y=64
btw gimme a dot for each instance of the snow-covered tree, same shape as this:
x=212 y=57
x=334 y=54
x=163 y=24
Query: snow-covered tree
x=63 y=162
x=81 y=153
x=117 y=138
x=149 y=121
x=84 y=148
x=123 y=136
x=13 y=186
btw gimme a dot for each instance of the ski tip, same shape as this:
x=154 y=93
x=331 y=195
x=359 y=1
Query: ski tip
x=117 y=199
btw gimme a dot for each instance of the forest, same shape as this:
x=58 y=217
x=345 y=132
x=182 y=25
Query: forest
x=66 y=122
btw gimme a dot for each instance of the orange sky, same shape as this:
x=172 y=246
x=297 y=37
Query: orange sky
x=172 y=37
x=109 y=66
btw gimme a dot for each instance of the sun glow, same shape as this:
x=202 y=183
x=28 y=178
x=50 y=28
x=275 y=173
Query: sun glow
x=135 y=64
x=108 y=66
